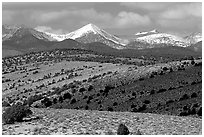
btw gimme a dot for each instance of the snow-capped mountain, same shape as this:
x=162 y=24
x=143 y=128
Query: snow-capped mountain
x=163 y=38
x=91 y=33
x=194 y=38
x=22 y=35
x=8 y=31
x=53 y=37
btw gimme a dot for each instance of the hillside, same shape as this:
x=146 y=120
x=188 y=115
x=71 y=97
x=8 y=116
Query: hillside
x=86 y=122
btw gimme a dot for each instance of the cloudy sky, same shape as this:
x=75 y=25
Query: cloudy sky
x=116 y=18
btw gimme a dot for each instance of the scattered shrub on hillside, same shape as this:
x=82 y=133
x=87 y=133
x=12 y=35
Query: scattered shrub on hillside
x=81 y=90
x=32 y=99
x=86 y=107
x=16 y=113
x=123 y=91
x=161 y=90
x=73 y=90
x=171 y=70
x=73 y=101
x=46 y=102
x=193 y=83
x=184 y=97
x=133 y=94
x=193 y=95
x=198 y=64
x=185 y=108
x=110 y=109
x=67 y=95
x=192 y=110
x=169 y=101
x=192 y=62
x=90 y=87
x=146 y=101
x=142 y=108
x=165 y=68
x=5 y=104
x=122 y=130
x=138 y=132
x=152 y=92
x=199 y=111
x=60 y=99
x=140 y=79
x=54 y=100
x=115 y=104
x=151 y=75
x=183 y=113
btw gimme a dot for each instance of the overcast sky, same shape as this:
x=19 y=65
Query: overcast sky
x=115 y=18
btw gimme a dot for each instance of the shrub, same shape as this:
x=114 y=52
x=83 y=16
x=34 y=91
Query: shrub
x=16 y=113
x=90 y=87
x=46 y=102
x=32 y=99
x=73 y=101
x=199 y=111
x=54 y=100
x=115 y=104
x=193 y=95
x=184 y=97
x=169 y=101
x=152 y=92
x=5 y=104
x=146 y=101
x=60 y=99
x=133 y=94
x=138 y=132
x=142 y=108
x=86 y=107
x=67 y=95
x=122 y=130
x=110 y=109
x=192 y=62
x=184 y=113
x=81 y=90
x=165 y=68
x=161 y=90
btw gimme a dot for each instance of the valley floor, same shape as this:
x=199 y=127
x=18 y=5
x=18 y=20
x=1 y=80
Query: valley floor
x=67 y=121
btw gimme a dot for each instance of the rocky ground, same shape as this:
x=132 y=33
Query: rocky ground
x=66 y=121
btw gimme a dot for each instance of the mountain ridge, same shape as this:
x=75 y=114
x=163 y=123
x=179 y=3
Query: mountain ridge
x=90 y=33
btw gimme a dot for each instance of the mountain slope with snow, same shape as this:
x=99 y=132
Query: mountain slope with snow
x=163 y=38
x=194 y=38
x=8 y=31
x=91 y=33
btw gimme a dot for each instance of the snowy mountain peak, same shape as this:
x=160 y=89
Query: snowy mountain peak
x=194 y=38
x=84 y=30
x=163 y=38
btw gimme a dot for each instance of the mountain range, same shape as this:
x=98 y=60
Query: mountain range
x=23 y=38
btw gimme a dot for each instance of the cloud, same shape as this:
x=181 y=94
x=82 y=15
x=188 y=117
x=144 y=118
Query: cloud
x=182 y=18
x=49 y=29
x=149 y=6
x=183 y=11
x=129 y=19
x=7 y=16
x=45 y=17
